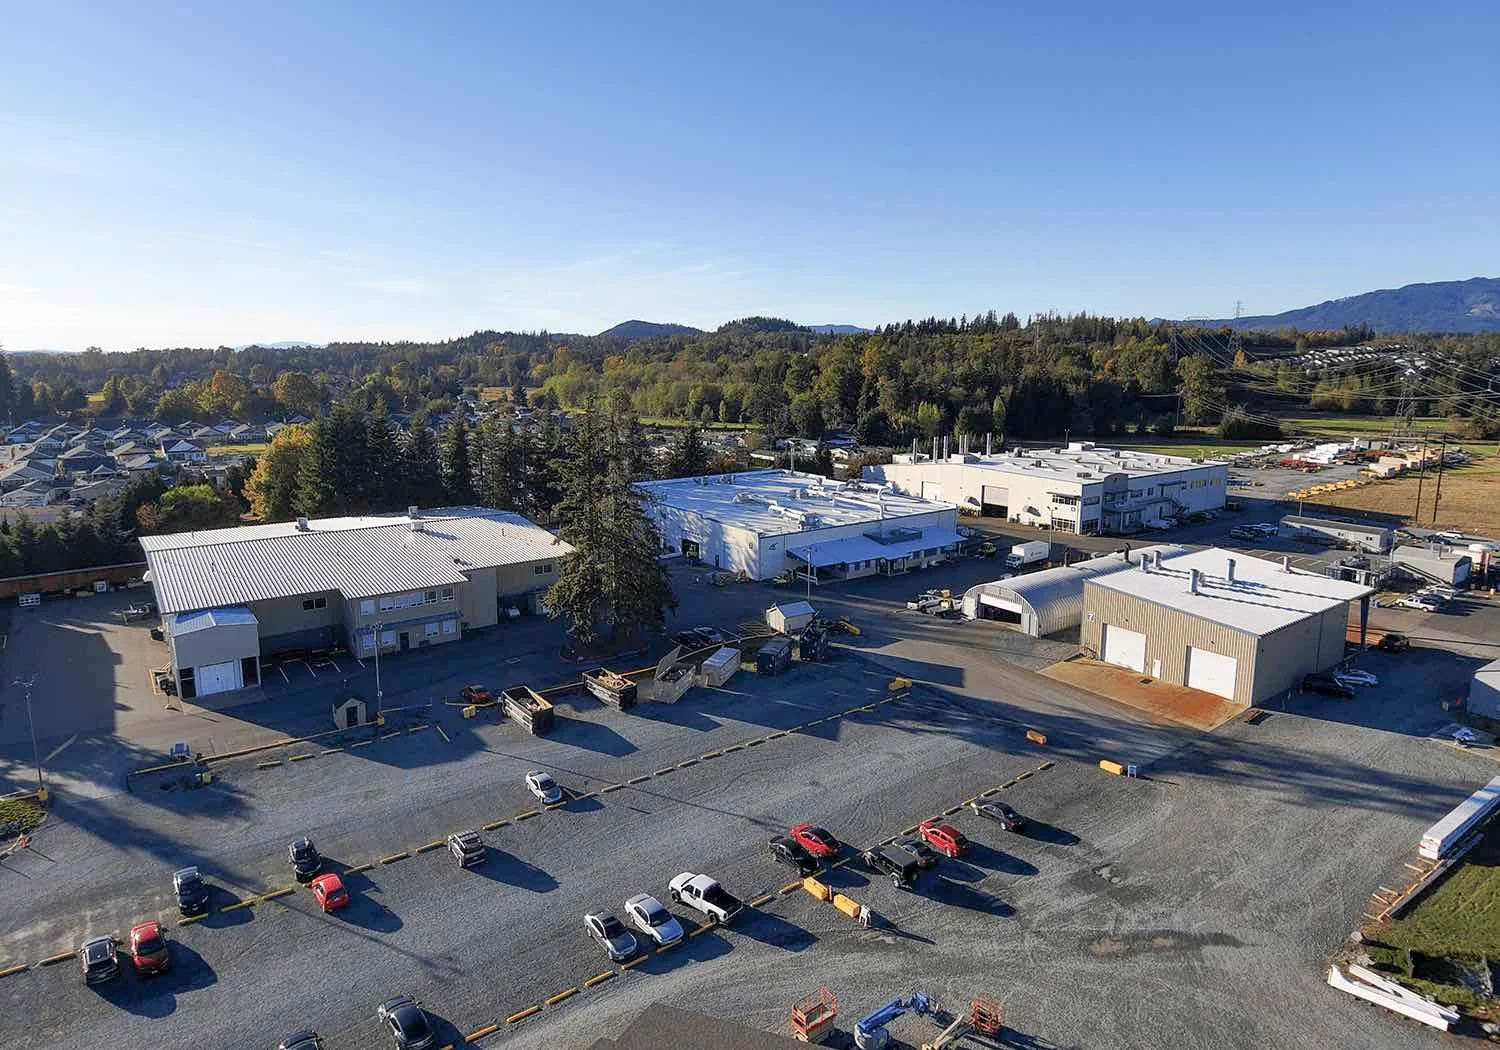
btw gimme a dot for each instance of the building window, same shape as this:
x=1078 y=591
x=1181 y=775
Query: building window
x=387 y=602
x=366 y=641
x=309 y=604
x=450 y=626
x=447 y=594
x=543 y=570
x=429 y=598
x=1092 y=501
x=367 y=607
x=430 y=629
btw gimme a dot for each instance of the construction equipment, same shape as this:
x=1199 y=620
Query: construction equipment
x=985 y=1018
x=870 y=1031
x=811 y=1020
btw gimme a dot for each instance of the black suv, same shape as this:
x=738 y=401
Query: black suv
x=192 y=891
x=305 y=859
x=894 y=863
x=1328 y=685
x=787 y=850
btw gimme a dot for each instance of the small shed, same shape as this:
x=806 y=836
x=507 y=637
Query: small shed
x=720 y=666
x=790 y=617
x=1484 y=691
x=350 y=712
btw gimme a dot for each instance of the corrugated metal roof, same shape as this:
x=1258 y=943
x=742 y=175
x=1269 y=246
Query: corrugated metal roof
x=359 y=557
x=1055 y=596
x=187 y=623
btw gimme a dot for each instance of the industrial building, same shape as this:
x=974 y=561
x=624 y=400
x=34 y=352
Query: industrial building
x=1376 y=539
x=1484 y=691
x=1081 y=489
x=1438 y=563
x=765 y=522
x=1239 y=627
x=230 y=597
x=1045 y=602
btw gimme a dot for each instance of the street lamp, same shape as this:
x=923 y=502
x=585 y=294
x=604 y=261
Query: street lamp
x=26 y=684
x=379 y=695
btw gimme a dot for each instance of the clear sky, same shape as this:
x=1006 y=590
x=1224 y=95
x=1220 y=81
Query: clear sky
x=214 y=173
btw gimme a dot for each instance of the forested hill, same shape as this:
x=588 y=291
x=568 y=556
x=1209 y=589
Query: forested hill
x=633 y=330
x=1443 y=306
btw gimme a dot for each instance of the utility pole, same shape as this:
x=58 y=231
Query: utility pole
x=379 y=695
x=1437 y=495
x=1421 y=472
x=36 y=755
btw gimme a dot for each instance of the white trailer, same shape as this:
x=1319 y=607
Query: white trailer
x=1028 y=553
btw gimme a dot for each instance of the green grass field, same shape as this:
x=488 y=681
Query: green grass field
x=1334 y=424
x=252 y=449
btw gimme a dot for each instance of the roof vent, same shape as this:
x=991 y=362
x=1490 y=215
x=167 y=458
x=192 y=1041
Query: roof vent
x=413 y=512
x=1286 y=563
x=1193 y=576
x=301 y=524
x=1230 y=573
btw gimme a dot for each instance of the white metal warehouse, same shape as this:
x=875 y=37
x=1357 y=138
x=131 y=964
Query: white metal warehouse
x=1082 y=488
x=1045 y=602
x=765 y=522
x=1239 y=627
x=229 y=597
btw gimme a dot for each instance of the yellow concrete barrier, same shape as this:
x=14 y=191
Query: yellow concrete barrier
x=599 y=978
x=566 y=993
x=479 y=1033
x=1111 y=767
x=848 y=905
x=817 y=889
x=521 y=1015
x=18 y=968
x=1035 y=737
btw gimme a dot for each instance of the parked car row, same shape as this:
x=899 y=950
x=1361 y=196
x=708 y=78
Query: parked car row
x=1257 y=531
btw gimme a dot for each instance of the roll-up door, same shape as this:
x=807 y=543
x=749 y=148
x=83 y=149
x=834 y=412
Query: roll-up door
x=1124 y=648
x=1212 y=672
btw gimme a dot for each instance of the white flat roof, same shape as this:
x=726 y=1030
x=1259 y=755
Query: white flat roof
x=1264 y=596
x=359 y=557
x=1083 y=465
x=780 y=502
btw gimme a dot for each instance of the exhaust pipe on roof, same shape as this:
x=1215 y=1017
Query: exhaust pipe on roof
x=1230 y=574
x=1286 y=563
x=1193 y=582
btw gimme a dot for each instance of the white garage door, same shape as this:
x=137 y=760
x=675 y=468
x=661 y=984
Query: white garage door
x=1124 y=648
x=217 y=678
x=932 y=490
x=994 y=601
x=1211 y=672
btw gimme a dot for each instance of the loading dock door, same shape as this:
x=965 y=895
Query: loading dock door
x=995 y=500
x=1123 y=648
x=932 y=490
x=217 y=678
x=1212 y=672
x=994 y=607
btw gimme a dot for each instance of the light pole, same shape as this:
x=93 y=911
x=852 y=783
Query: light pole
x=379 y=695
x=26 y=684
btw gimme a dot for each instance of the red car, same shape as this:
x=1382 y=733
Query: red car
x=944 y=838
x=815 y=840
x=148 y=947
x=328 y=890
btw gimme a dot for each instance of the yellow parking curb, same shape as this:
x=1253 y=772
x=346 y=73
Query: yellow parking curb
x=663 y=772
x=634 y=962
x=1045 y=766
x=438 y=844
x=525 y=816
x=638 y=780
x=301 y=758
x=21 y=968
x=268 y=765
x=53 y=960
x=189 y=919
x=521 y=1015
x=689 y=762
x=560 y=996
x=446 y=738
x=791 y=887
x=951 y=810
x=359 y=869
x=332 y=750
x=495 y=824
x=612 y=787
x=599 y=978
x=479 y=1033
x=703 y=929
x=395 y=857
x=278 y=893
x=711 y=754
x=164 y=766
x=762 y=899
x=239 y=904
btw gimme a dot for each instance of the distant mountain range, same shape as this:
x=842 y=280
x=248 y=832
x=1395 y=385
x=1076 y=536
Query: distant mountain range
x=1443 y=306
x=629 y=331
x=290 y=344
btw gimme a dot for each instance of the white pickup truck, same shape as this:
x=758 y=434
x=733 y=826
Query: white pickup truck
x=706 y=895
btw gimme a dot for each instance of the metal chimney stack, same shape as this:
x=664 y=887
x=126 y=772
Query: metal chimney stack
x=1286 y=563
x=1230 y=574
x=989 y=443
x=1193 y=582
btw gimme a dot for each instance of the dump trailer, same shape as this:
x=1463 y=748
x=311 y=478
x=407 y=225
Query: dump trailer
x=613 y=689
x=528 y=709
x=1028 y=553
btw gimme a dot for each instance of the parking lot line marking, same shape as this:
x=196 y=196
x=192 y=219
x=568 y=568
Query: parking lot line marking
x=762 y=899
x=566 y=993
x=268 y=765
x=278 y=893
x=446 y=738
x=416 y=728
x=301 y=758
x=839 y=863
x=427 y=847
x=779 y=735
x=599 y=978
x=479 y=1033
x=53 y=960
x=60 y=748
x=358 y=869
x=19 y=968
x=387 y=736
x=284 y=678
x=557 y=805
x=361 y=743
x=525 y=816
x=332 y=750
x=495 y=825
x=309 y=667
x=521 y=1015
x=394 y=857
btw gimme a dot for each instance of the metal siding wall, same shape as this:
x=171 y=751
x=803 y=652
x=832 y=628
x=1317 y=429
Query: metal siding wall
x=1484 y=699
x=480 y=597
x=279 y=616
x=1169 y=633
x=216 y=645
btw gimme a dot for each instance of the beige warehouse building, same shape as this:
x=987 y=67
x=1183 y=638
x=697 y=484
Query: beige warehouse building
x=1239 y=627
x=229 y=597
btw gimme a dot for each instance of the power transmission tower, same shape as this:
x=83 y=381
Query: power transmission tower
x=1234 y=338
x=1406 y=408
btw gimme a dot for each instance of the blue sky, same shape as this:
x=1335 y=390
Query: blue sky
x=219 y=174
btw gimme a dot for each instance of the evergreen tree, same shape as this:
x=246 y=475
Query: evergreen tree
x=424 y=486
x=823 y=461
x=7 y=389
x=453 y=462
x=380 y=451
x=613 y=583
x=689 y=456
x=313 y=493
x=543 y=458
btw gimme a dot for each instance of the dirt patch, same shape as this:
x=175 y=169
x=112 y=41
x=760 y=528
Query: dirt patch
x=1467 y=501
x=1169 y=703
x=1147 y=942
